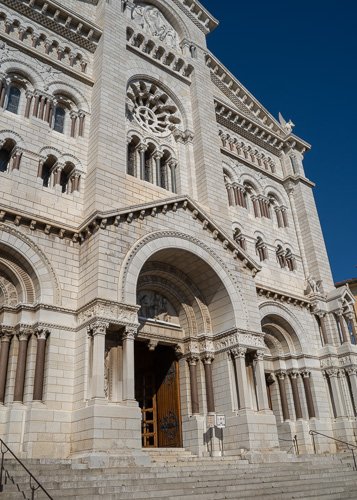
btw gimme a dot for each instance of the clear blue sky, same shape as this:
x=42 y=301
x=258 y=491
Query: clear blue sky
x=300 y=58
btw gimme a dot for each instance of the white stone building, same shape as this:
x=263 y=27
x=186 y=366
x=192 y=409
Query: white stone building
x=161 y=257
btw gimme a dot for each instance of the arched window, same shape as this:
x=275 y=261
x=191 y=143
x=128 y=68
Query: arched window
x=290 y=260
x=59 y=116
x=13 y=99
x=239 y=238
x=133 y=161
x=280 y=255
x=65 y=177
x=261 y=249
x=45 y=170
x=6 y=154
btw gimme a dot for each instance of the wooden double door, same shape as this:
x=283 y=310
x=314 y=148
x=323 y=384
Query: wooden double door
x=157 y=392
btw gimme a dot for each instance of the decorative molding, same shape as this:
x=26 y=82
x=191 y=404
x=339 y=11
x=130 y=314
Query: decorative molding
x=197 y=14
x=282 y=297
x=156 y=54
x=112 y=311
x=103 y=220
x=56 y=18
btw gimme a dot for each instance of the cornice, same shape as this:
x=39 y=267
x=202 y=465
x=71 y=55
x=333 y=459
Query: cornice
x=59 y=19
x=284 y=297
x=102 y=220
x=197 y=14
x=251 y=110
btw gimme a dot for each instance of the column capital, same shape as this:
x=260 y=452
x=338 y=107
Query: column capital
x=130 y=333
x=208 y=358
x=142 y=148
x=42 y=333
x=158 y=155
x=305 y=373
x=259 y=355
x=281 y=374
x=193 y=359
x=24 y=333
x=238 y=352
x=333 y=372
x=293 y=373
x=98 y=328
x=6 y=334
x=351 y=370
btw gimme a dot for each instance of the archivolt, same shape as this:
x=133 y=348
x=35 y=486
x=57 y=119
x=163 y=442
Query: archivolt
x=20 y=252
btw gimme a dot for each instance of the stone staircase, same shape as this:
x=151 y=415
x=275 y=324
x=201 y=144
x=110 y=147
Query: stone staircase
x=178 y=475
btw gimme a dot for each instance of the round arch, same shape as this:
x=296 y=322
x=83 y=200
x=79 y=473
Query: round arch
x=278 y=322
x=148 y=247
x=35 y=266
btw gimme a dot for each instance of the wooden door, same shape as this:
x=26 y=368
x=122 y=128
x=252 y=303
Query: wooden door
x=157 y=392
x=168 y=404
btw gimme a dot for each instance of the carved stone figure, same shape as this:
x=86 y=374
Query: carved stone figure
x=287 y=126
x=153 y=22
x=155 y=306
x=314 y=286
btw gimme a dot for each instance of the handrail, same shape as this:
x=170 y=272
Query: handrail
x=32 y=477
x=350 y=446
x=294 y=445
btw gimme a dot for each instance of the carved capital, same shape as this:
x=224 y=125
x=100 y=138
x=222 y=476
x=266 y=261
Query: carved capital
x=152 y=345
x=42 y=333
x=305 y=373
x=24 y=334
x=208 y=358
x=352 y=370
x=333 y=372
x=259 y=355
x=6 y=335
x=294 y=373
x=130 y=333
x=281 y=374
x=98 y=328
x=193 y=359
x=238 y=352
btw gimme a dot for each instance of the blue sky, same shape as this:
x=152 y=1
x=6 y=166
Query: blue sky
x=300 y=58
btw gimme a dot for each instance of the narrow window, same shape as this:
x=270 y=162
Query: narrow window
x=13 y=100
x=59 y=118
x=6 y=154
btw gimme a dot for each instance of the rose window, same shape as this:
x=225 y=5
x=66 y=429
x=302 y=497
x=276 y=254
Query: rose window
x=152 y=108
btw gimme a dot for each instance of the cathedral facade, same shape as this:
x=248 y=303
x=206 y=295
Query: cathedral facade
x=161 y=256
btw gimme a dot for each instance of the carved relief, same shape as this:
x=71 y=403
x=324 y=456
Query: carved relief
x=156 y=306
x=153 y=22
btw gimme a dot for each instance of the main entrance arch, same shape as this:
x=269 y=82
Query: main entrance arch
x=181 y=299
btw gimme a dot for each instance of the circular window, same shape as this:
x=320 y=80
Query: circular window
x=152 y=109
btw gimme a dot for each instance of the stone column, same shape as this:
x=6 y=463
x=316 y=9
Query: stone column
x=23 y=337
x=352 y=373
x=323 y=320
x=73 y=115
x=207 y=362
x=262 y=395
x=81 y=116
x=41 y=335
x=344 y=329
x=284 y=401
x=98 y=331
x=6 y=337
x=294 y=385
x=238 y=355
x=29 y=96
x=157 y=157
x=192 y=364
x=173 y=165
x=309 y=399
x=142 y=148
x=129 y=364
x=333 y=374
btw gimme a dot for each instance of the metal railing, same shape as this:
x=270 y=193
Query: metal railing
x=294 y=445
x=5 y=475
x=350 y=446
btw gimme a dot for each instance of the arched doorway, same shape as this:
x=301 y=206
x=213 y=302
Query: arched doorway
x=181 y=298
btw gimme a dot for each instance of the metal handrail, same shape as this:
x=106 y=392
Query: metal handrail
x=350 y=446
x=3 y=472
x=294 y=445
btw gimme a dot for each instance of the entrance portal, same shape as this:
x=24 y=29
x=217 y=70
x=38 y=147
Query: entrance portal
x=157 y=392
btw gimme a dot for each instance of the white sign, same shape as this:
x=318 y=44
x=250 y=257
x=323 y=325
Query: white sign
x=220 y=421
x=210 y=421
